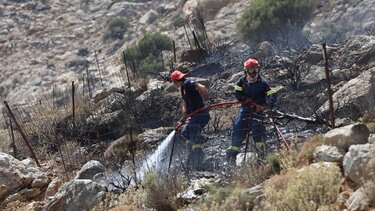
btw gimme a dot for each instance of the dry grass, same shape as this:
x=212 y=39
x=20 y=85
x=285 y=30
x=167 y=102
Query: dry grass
x=226 y=199
x=4 y=141
x=250 y=174
x=305 y=155
x=369 y=116
x=310 y=189
x=130 y=200
x=163 y=193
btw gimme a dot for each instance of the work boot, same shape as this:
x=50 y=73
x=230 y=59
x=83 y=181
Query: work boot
x=231 y=158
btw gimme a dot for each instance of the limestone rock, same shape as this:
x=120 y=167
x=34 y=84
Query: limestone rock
x=358 y=200
x=53 y=187
x=76 y=195
x=355 y=97
x=355 y=162
x=16 y=174
x=328 y=154
x=346 y=136
x=90 y=169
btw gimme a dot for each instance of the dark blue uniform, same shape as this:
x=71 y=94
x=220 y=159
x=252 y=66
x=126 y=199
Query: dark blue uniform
x=248 y=118
x=192 y=131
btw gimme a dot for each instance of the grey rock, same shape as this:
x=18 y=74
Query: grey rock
x=328 y=154
x=53 y=187
x=16 y=174
x=90 y=170
x=112 y=125
x=344 y=137
x=358 y=200
x=355 y=162
x=76 y=195
x=149 y=17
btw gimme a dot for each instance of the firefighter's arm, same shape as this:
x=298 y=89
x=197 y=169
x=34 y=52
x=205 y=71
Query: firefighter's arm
x=271 y=97
x=203 y=91
x=238 y=93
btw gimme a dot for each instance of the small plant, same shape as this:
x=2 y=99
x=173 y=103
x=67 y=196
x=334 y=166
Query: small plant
x=305 y=155
x=177 y=21
x=116 y=28
x=162 y=193
x=224 y=198
x=147 y=52
x=275 y=162
x=312 y=189
x=278 y=21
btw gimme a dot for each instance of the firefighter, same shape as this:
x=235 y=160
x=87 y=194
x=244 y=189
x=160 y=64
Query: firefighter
x=256 y=95
x=195 y=96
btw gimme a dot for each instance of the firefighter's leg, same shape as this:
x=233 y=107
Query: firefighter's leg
x=259 y=131
x=239 y=131
x=192 y=132
x=186 y=133
x=198 y=121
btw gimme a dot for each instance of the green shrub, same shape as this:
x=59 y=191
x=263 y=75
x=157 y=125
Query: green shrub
x=312 y=189
x=162 y=193
x=279 y=21
x=177 y=21
x=226 y=198
x=275 y=162
x=147 y=51
x=116 y=28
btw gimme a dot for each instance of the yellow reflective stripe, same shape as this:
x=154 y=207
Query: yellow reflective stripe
x=234 y=148
x=238 y=88
x=271 y=91
x=259 y=144
x=197 y=146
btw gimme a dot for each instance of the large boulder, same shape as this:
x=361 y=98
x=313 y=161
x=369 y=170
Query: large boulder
x=114 y=102
x=16 y=175
x=328 y=154
x=355 y=97
x=76 y=195
x=358 y=50
x=355 y=162
x=152 y=137
x=359 y=200
x=112 y=125
x=90 y=169
x=344 y=137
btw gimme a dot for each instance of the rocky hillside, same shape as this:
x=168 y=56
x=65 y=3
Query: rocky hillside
x=47 y=43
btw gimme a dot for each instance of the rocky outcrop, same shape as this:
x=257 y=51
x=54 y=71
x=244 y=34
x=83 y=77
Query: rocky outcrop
x=355 y=162
x=151 y=138
x=53 y=187
x=344 y=137
x=20 y=176
x=354 y=97
x=341 y=19
x=76 y=195
x=90 y=170
x=358 y=200
x=328 y=154
x=112 y=125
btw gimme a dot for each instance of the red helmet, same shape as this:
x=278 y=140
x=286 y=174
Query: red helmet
x=251 y=63
x=177 y=75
